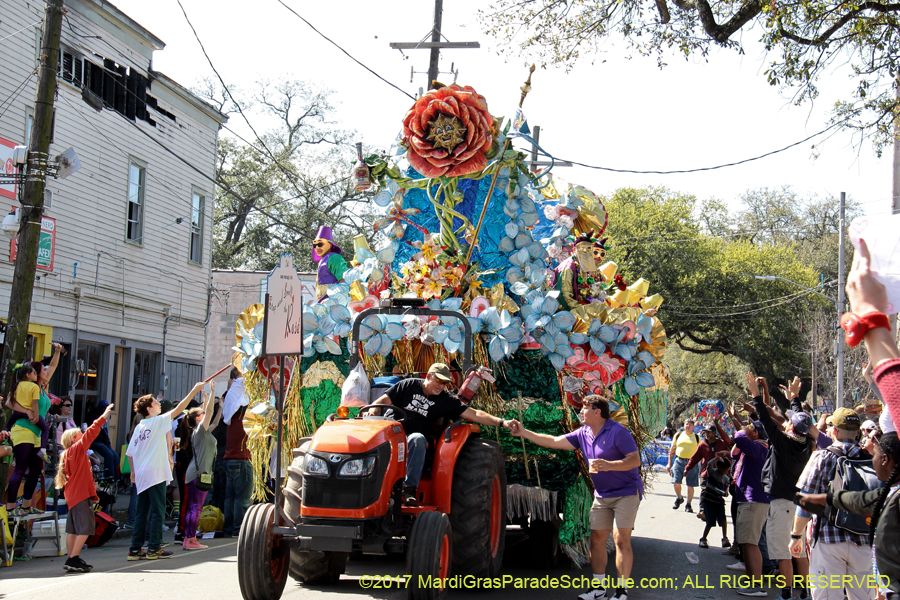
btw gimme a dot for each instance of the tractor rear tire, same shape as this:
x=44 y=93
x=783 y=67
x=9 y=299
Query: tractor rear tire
x=293 y=489
x=428 y=557
x=478 y=509
x=262 y=558
x=314 y=567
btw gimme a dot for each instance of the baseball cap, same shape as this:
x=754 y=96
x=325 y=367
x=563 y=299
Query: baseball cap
x=758 y=426
x=801 y=422
x=710 y=428
x=868 y=424
x=846 y=419
x=441 y=371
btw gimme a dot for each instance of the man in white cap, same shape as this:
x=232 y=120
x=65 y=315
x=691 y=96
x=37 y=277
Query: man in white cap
x=425 y=401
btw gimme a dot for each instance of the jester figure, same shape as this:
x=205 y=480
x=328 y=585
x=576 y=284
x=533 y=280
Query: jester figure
x=579 y=278
x=331 y=264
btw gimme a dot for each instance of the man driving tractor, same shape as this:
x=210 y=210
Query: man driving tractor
x=426 y=401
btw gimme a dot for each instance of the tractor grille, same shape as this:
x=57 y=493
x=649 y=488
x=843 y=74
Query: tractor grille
x=346 y=492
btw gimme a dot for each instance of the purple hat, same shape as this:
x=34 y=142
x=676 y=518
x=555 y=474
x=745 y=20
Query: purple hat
x=800 y=421
x=324 y=233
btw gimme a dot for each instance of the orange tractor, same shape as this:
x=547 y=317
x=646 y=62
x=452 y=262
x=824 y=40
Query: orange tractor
x=344 y=495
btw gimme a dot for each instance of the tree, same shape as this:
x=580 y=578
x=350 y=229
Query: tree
x=805 y=40
x=697 y=377
x=274 y=192
x=713 y=304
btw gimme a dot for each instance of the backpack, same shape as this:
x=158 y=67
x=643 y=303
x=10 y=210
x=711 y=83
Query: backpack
x=852 y=475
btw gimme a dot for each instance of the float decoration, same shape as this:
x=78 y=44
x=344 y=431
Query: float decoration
x=467 y=227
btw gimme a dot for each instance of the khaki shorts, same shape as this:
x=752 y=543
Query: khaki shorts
x=81 y=520
x=621 y=509
x=779 y=527
x=751 y=517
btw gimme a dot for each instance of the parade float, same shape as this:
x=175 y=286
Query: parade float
x=467 y=227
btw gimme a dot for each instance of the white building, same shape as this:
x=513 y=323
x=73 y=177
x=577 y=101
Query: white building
x=126 y=276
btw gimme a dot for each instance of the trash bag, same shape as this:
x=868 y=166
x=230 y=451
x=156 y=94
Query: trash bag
x=355 y=391
x=211 y=519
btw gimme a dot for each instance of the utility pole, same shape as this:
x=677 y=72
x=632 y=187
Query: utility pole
x=435 y=38
x=534 y=162
x=815 y=359
x=32 y=198
x=434 y=45
x=839 y=384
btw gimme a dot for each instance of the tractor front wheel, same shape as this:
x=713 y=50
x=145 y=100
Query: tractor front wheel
x=428 y=556
x=262 y=557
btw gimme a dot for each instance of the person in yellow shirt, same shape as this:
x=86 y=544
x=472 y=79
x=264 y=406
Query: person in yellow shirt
x=682 y=449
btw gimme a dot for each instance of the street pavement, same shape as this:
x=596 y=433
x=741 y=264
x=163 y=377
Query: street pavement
x=662 y=540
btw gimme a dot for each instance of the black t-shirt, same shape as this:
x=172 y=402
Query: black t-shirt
x=421 y=410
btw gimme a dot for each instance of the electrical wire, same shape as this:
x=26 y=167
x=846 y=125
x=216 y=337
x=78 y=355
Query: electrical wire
x=741 y=313
x=15 y=93
x=338 y=46
x=700 y=169
x=20 y=31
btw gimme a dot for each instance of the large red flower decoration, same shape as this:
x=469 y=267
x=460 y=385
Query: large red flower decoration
x=448 y=132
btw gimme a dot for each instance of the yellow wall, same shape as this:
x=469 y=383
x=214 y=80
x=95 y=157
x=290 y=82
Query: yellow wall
x=43 y=335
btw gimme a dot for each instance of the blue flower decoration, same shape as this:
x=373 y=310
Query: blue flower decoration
x=251 y=345
x=379 y=334
x=533 y=280
x=644 y=327
x=539 y=312
x=638 y=377
x=556 y=348
x=600 y=335
x=343 y=320
x=526 y=206
x=450 y=336
x=503 y=331
x=529 y=256
x=318 y=331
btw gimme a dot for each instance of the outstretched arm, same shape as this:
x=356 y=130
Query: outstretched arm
x=558 y=442
x=183 y=404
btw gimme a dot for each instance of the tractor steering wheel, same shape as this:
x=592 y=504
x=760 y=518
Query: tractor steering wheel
x=383 y=407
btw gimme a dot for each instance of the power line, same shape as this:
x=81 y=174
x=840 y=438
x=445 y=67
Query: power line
x=19 y=31
x=338 y=46
x=682 y=171
x=15 y=93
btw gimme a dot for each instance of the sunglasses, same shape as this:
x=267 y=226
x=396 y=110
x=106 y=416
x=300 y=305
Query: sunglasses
x=318 y=244
x=67 y=406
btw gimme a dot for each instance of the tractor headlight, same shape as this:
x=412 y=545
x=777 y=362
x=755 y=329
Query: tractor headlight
x=315 y=466
x=360 y=467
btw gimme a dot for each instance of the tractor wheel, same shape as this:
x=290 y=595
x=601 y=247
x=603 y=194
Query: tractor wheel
x=317 y=567
x=428 y=556
x=478 y=509
x=262 y=557
x=293 y=489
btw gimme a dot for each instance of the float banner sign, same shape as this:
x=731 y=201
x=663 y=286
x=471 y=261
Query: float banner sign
x=283 y=325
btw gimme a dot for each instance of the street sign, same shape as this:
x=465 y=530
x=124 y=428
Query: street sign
x=283 y=324
x=46 y=247
x=7 y=167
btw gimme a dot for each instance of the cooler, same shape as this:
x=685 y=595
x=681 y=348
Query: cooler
x=42 y=542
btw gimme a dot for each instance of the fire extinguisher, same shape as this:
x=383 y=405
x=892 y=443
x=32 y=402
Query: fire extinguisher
x=470 y=386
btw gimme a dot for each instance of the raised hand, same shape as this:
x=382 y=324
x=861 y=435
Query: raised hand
x=752 y=387
x=865 y=293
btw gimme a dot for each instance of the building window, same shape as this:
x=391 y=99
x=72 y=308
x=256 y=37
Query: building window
x=70 y=67
x=146 y=374
x=29 y=121
x=136 y=184
x=89 y=375
x=198 y=204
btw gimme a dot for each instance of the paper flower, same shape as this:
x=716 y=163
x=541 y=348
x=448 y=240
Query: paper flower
x=251 y=345
x=448 y=132
x=601 y=335
x=527 y=207
x=643 y=328
x=337 y=294
x=517 y=237
x=416 y=329
x=370 y=265
x=343 y=320
x=450 y=336
x=539 y=312
x=638 y=377
x=318 y=331
x=562 y=323
x=379 y=334
x=529 y=256
x=533 y=280
x=397 y=218
x=556 y=348
x=503 y=331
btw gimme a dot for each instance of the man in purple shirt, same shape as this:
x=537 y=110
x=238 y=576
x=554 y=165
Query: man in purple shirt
x=612 y=455
x=753 y=505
